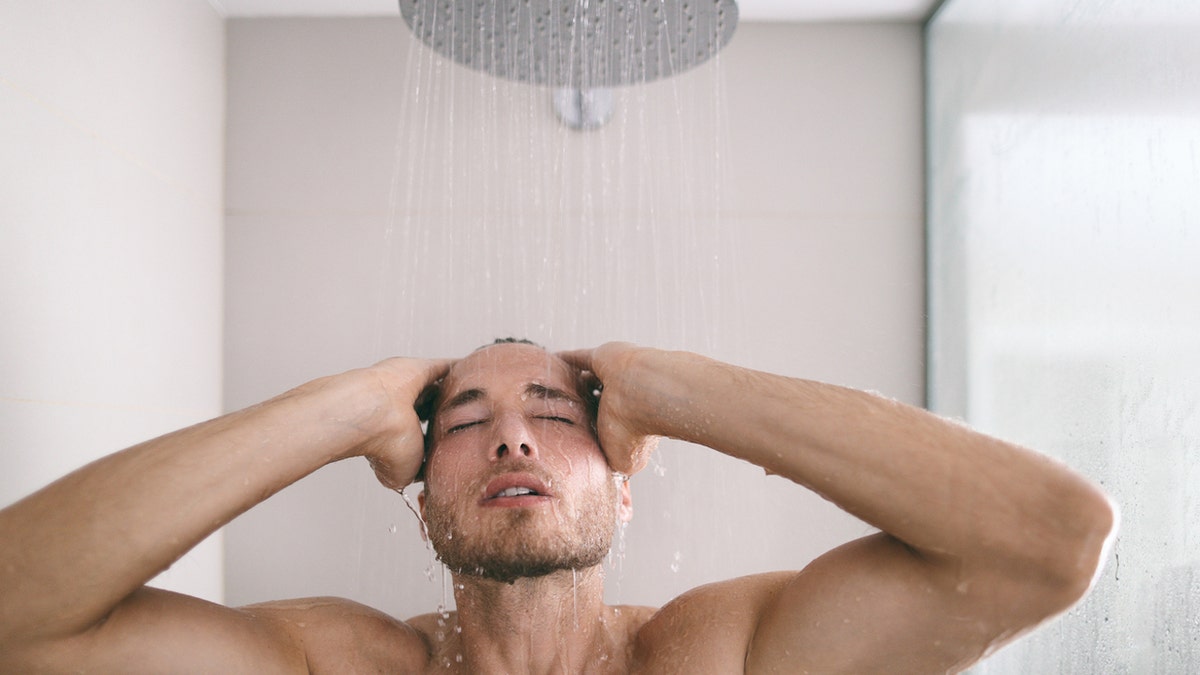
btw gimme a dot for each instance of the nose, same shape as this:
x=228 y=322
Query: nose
x=512 y=438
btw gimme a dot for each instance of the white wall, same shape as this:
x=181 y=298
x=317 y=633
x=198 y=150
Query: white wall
x=766 y=210
x=111 y=123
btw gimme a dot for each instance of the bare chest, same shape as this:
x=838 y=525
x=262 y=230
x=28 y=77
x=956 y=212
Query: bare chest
x=640 y=646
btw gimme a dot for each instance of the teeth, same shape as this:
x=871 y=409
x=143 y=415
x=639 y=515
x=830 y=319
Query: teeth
x=515 y=492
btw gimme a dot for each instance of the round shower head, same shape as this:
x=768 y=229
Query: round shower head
x=576 y=44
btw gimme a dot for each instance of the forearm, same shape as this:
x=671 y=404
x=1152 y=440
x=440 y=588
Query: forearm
x=72 y=551
x=941 y=488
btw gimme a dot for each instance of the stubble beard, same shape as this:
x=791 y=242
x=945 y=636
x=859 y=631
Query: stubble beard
x=515 y=543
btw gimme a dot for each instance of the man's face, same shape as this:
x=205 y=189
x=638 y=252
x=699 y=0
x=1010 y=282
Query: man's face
x=515 y=482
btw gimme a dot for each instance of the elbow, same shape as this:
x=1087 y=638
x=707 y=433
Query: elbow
x=1077 y=561
x=1102 y=533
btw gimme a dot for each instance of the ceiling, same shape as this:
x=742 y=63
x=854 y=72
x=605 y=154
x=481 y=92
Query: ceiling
x=749 y=10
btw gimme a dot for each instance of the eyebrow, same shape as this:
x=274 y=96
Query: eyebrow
x=550 y=393
x=464 y=397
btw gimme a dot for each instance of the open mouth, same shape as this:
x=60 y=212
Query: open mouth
x=515 y=490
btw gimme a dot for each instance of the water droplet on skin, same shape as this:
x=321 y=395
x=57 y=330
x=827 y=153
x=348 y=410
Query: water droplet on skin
x=392 y=528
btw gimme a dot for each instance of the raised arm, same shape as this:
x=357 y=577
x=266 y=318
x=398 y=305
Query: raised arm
x=981 y=539
x=74 y=556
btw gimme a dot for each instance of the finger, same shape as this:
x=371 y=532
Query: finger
x=415 y=374
x=427 y=397
x=436 y=369
x=579 y=358
x=435 y=372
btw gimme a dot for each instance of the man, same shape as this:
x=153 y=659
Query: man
x=524 y=480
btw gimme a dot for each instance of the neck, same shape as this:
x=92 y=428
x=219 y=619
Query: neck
x=549 y=624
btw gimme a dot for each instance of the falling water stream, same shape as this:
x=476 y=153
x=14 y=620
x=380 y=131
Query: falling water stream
x=504 y=221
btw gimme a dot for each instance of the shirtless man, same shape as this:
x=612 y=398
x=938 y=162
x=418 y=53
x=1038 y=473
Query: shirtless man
x=980 y=540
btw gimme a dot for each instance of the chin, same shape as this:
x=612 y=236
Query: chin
x=518 y=550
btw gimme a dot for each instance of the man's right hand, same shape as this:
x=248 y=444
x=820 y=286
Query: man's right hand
x=409 y=387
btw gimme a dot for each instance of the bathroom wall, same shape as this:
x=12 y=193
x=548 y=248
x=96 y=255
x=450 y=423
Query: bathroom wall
x=766 y=209
x=111 y=124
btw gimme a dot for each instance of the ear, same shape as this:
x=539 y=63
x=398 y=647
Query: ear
x=625 y=508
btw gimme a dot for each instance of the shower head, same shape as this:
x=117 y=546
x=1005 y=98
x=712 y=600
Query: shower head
x=574 y=44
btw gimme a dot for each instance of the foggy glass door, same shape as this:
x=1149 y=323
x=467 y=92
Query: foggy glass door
x=1064 y=271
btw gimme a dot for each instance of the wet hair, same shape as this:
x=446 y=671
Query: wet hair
x=510 y=341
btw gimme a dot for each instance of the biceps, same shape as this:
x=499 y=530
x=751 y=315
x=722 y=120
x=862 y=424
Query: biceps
x=869 y=606
x=155 y=631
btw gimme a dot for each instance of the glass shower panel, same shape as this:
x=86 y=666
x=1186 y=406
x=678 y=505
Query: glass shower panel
x=1064 y=252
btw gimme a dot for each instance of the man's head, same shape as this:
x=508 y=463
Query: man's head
x=516 y=484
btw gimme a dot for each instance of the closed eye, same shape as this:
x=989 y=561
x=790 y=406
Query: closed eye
x=556 y=418
x=464 y=425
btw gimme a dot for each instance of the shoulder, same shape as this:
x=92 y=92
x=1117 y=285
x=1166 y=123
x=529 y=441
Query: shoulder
x=342 y=636
x=709 y=628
